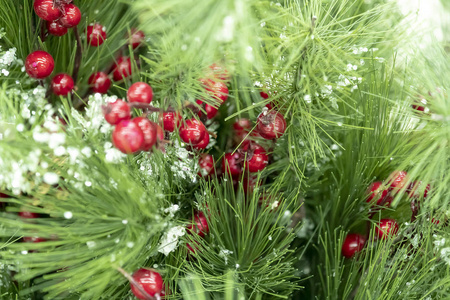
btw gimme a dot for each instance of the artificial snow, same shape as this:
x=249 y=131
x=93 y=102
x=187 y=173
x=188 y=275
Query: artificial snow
x=170 y=239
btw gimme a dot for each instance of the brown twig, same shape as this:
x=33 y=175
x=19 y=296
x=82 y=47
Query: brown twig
x=147 y=107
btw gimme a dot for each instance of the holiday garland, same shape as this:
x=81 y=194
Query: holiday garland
x=242 y=150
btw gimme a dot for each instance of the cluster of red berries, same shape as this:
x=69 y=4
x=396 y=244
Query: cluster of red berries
x=61 y=15
x=381 y=195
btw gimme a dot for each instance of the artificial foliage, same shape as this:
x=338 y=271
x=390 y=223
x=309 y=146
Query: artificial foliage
x=183 y=149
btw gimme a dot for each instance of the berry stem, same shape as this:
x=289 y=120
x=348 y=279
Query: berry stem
x=145 y=106
x=78 y=55
x=136 y=285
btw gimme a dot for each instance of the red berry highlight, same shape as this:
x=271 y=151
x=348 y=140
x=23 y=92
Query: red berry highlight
x=95 y=34
x=99 y=82
x=28 y=215
x=150 y=281
x=217 y=89
x=140 y=92
x=203 y=143
x=386 y=228
x=192 y=132
x=170 y=120
x=271 y=125
x=149 y=130
x=117 y=112
x=376 y=192
x=39 y=64
x=398 y=180
x=353 y=243
x=210 y=110
x=122 y=68
x=257 y=159
x=55 y=28
x=128 y=137
x=46 y=11
x=71 y=16
x=62 y=84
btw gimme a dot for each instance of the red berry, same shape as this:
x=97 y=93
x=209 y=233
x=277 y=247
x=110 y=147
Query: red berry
x=39 y=64
x=210 y=110
x=192 y=131
x=242 y=125
x=122 y=68
x=55 y=28
x=414 y=189
x=116 y=112
x=386 y=228
x=62 y=84
x=199 y=225
x=170 y=120
x=149 y=130
x=231 y=163
x=206 y=163
x=264 y=95
x=136 y=37
x=33 y=239
x=28 y=215
x=257 y=159
x=398 y=180
x=418 y=107
x=140 y=92
x=45 y=10
x=128 y=137
x=376 y=191
x=271 y=125
x=219 y=72
x=71 y=16
x=95 y=34
x=99 y=82
x=203 y=143
x=353 y=243
x=150 y=281
x=217 y=89
x=249 y=182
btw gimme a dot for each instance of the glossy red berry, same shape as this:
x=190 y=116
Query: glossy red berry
x=39 y=64
x=217 y=89
x=206 y=164
x=122 y=68
x=28 y=215
x=128 y=137
x=353 y=243
x=46 y=11
x=136 y=38
x=140 y=92
x=149 y=130
x=203 y=143
x=99 y=82
x=55 y=28
x=117 y=112
x=210 y=110
x=170 y=120
x=159 y=133
x=398 y=180
x=62 y=84
x=377 y=192
x=71 y=16
x=271 y=125
x=219 y=72
x=199 y=225
x=257 y=159
x=231 y=164
x=386 y=228
x=415 y=188
x=95 y=34
x=150 y=281
x=242 y=125
x=192 y=131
